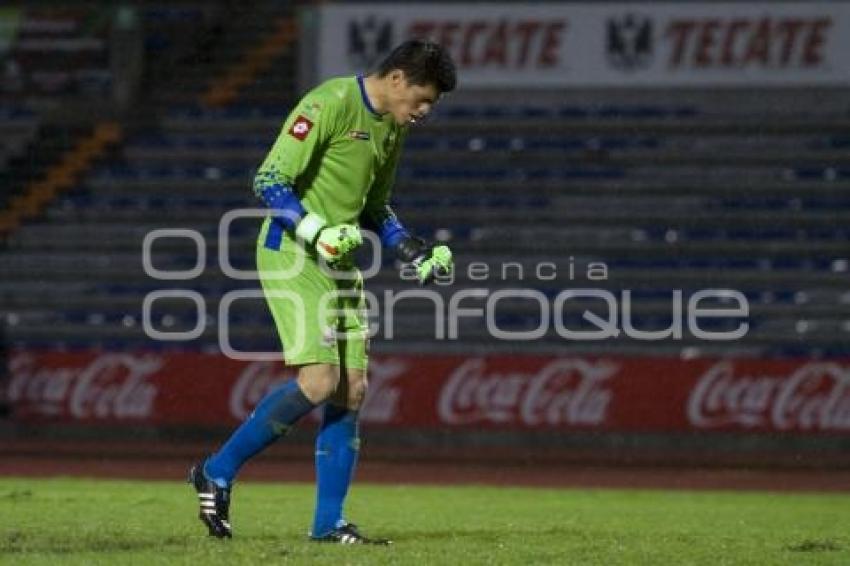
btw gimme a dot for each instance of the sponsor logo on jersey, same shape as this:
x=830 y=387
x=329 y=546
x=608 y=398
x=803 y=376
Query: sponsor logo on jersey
x=300 y=128
x=358 y=135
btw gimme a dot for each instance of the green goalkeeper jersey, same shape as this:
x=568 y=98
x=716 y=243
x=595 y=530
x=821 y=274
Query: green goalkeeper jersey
x=336 y=152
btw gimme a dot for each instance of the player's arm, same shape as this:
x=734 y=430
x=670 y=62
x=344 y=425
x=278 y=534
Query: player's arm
x=304 y=134
x=429 y=261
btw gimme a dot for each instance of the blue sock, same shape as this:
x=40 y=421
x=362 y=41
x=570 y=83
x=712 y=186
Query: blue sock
x=337 y=447
x=272 y=418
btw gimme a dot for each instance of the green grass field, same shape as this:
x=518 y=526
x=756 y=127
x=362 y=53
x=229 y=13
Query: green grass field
x=124 y=522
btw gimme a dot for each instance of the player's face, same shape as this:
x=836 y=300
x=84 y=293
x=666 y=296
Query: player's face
x=409 y=103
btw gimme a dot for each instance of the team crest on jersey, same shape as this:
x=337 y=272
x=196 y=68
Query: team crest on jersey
x=300 y=128
x=358 y=135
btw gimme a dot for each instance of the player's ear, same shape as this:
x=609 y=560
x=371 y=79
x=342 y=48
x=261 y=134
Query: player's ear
x=397 y=77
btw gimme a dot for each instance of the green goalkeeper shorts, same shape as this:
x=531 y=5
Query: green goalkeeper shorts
x=319 y=318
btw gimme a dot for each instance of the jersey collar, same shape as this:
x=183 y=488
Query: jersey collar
x=365 y=97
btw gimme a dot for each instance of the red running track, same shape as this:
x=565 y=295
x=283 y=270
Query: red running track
x=150 y=460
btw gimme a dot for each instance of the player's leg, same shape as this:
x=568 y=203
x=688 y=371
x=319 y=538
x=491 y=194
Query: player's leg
x=294 y=302
x=337 y=449
x=338 y=442
x=273 y=417
x=294 y=288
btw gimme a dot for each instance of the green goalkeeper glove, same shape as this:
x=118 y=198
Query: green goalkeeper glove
x=436 y=262
x=332 y=242
x=336 y=242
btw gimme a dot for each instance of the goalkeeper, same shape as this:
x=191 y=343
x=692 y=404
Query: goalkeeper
x=330 y=169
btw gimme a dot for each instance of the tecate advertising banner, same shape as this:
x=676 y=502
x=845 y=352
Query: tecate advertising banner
x=602 y=45
x=552 y=393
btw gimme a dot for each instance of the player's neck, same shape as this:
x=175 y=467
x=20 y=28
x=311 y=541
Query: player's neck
x=375 y=91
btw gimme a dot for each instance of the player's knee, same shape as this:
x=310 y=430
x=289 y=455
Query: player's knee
x=357 y=386
x=318 y=381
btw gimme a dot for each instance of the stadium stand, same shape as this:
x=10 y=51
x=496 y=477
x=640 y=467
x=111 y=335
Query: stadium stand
x=58 y=50
x=667 y=196
x=17 y=130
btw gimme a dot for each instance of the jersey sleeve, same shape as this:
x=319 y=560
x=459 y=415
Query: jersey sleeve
x=308 y=128
x=377 y=214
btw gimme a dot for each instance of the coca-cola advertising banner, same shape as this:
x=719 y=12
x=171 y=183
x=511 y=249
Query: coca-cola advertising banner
x=516 y=392
x=672 y=44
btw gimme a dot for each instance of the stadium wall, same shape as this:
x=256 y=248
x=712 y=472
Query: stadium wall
x=567 y=408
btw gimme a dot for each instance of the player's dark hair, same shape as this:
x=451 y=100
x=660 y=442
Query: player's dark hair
x=423 y=62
